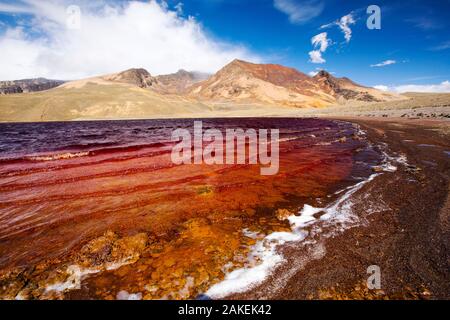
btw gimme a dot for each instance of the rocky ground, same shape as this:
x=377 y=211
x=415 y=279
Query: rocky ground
x=419 y=106
x=409 y=240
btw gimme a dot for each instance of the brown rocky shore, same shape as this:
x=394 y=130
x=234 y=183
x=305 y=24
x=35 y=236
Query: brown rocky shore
x=408 y=238
x=403 y=224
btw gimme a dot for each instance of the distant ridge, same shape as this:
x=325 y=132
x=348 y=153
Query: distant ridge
x=138 y=77
x=28 y=85
x=238 y=88
x=345 y=89
x=175 y=83
x=179 y=82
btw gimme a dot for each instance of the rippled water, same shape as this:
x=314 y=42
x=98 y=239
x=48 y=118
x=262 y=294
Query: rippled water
x=96 y=209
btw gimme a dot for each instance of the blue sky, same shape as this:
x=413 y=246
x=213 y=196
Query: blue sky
x=413 y=43
x=413 y=33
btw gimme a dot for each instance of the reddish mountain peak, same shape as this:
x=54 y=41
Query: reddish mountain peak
x=135 y=72
x=235 y=65
x=179 y=82
x=139 y=77
x=323 y=74
x=273 y=73
x=272 y=82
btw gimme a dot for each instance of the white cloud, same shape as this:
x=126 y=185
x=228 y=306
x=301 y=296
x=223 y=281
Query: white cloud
x=113 y=37
x=384 y=63
x=320 y=43
x=315 y=56
x=382 y=87
x=320 y=40
x=344 y=24
x=179 y=8
x=300 y=11
x=433 y=88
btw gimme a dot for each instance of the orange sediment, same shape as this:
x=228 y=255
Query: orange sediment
x=94 y=226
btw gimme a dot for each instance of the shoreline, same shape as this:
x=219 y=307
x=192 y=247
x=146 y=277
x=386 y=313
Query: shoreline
x=155 y=229
x=409 y=241
x=417 y=106
x=406 y=232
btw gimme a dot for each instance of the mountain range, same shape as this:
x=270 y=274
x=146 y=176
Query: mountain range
x=28 y=85
x=135 y=93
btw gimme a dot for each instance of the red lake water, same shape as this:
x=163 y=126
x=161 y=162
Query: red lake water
x=97 y=210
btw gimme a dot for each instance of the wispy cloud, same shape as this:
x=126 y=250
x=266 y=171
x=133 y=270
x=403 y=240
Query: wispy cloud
x=114 y=36
x=344 y=24
x=315 y=56
x=442 y=87
x=424 y=78
x=382 y=87
x=320 y=43
x=443 y=46
x=300 y=11
x=426 y=23
x=11 y=8
x=384 y=63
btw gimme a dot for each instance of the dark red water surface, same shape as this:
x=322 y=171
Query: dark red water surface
x=104 y=194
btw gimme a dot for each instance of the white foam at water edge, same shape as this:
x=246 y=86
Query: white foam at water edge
x=250 y=234
x=338 y=214
x=264 y=252
x=124 y=295
x=60 y=156
x=305 y=218
x=288 y=139
x=388 y=165
x=76 y=274
x=388 y=161
x=264 y=257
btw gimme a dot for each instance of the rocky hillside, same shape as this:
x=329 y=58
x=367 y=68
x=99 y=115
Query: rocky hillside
x=28 y=85
x=137 y=77
x=239 y=89
x=242 y=81
x=344 y=89
x=176 y=83
x=179 y=82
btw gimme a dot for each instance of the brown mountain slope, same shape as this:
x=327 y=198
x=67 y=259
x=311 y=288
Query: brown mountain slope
x=344 y=89
x=138 y=77
x=96 y=99
x=179 y=82
x=132 y=94
x=245 y=82
x=239 y=89
x=176 y=83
